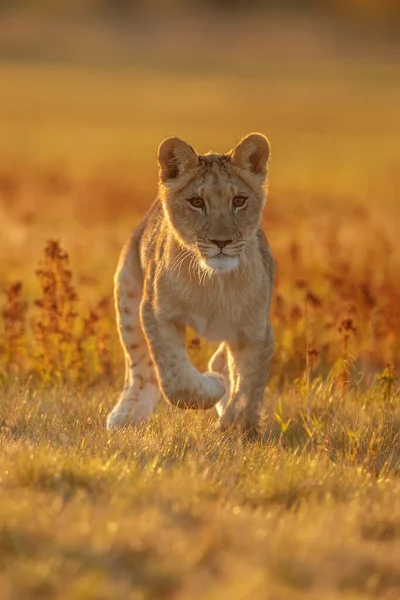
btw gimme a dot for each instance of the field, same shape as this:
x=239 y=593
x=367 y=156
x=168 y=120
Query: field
x=311 y=510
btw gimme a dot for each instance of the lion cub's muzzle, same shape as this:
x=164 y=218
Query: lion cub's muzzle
x=220 y=255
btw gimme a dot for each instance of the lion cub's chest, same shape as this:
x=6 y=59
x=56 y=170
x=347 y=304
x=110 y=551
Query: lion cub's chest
x=207 y=328
x=221 y=311
x=214 y=325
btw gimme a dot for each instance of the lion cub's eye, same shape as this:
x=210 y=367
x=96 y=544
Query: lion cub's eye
x=197 y=202
x=239 y=201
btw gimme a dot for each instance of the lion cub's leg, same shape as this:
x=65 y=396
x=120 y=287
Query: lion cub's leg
x=219 y=363
x=249 y=365
x=140 y=393
x=181 y=384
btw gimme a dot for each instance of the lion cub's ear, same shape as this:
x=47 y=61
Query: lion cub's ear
x=252 y=154
x=175 y=157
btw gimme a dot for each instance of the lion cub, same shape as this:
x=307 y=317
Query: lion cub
x=198 y=259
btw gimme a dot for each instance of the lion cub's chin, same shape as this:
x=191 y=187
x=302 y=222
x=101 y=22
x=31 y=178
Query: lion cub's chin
x=221 y=263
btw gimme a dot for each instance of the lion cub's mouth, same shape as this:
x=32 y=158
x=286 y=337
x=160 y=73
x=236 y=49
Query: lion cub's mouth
x=221 y=262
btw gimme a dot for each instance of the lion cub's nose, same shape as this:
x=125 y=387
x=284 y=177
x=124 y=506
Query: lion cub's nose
x=221 y=243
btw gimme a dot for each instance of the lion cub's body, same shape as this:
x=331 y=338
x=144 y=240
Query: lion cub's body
x=198 y=259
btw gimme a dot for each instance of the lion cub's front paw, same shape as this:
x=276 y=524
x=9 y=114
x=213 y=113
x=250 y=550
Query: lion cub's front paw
x=208 y=390
x=117 y=418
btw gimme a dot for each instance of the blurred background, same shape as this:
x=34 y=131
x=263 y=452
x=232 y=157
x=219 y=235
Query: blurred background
x=92 y=81
x=89 y=88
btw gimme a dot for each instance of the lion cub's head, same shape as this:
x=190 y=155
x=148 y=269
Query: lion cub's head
x=214 y=201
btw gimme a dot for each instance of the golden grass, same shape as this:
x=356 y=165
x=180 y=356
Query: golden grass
x=179 y=510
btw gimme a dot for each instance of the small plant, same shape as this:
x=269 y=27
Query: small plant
x=388 y=384
x=346 y=330
x=283 y=424
x=93 y=355
x=311 y=301
x=54 y=324
x=58 y=344
x=14 y=320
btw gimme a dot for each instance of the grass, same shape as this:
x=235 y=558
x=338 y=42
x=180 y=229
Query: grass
x=178 y=509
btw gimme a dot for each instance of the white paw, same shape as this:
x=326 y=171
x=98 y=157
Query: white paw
x=119 y=415
x=140 y=415
x=116 y=419
x=144 y=409
x=134 y=412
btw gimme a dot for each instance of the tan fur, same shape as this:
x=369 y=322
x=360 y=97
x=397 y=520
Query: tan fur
x=208 y=268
